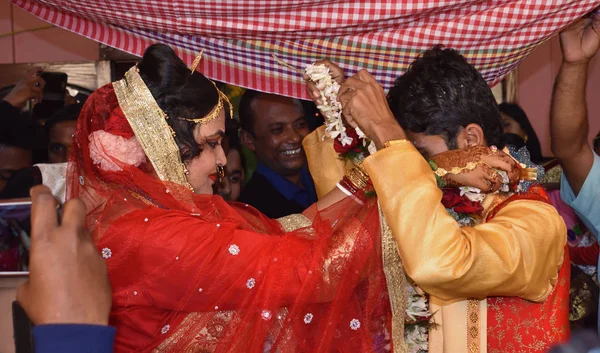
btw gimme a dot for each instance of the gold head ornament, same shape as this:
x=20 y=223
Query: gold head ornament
x=214 y=113
x=196 y=61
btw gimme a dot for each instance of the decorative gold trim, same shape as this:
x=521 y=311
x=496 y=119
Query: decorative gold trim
x=294 y=221
x=473 y=326
x=396 y=284
x=149 y=123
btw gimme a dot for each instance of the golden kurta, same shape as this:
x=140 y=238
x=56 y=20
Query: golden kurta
x=518 y=253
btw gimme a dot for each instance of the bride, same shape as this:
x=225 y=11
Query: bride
x=192 y=273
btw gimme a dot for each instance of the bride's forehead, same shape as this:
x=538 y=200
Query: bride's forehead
x=211 y=128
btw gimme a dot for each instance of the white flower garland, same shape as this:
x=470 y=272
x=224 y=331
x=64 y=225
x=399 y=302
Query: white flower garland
x=416 y=331
x=332 y=108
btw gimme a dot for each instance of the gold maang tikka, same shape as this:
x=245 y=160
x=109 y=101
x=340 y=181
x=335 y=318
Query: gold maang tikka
x=214 y=113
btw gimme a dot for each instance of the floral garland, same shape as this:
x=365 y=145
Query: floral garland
x=349 y=143
x=464 y=204
x=418 y=320
x=352 y=144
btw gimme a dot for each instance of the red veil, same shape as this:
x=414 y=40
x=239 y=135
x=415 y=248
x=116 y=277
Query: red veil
x=192 y=273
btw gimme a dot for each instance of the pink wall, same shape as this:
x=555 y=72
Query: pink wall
x=22 y=42
x=536 y=78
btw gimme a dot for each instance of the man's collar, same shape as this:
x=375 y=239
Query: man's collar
x=283 y=185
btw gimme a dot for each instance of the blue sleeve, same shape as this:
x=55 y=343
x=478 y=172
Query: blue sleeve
x=76 y=338
x=587 y=203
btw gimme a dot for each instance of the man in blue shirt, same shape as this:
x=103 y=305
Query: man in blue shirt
x=580 y=184
x=273 y=128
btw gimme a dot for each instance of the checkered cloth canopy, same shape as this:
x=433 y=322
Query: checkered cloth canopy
x=239 y=37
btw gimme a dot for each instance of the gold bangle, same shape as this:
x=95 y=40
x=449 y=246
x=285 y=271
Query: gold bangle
x=358 y=178
x=356 y=181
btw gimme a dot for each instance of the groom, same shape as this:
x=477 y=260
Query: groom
x=500 y=285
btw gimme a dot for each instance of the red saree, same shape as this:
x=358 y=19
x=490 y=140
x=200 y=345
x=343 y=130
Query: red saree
x=518 y=325
x=193 y=273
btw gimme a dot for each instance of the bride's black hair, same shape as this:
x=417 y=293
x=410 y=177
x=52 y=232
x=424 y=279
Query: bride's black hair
x=179 y=93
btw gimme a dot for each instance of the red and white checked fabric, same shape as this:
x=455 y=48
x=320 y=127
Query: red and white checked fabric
x=239 y=37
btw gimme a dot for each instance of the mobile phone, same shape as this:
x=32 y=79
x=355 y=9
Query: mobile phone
x=15 y=229
x=54 y=95
x=22 y=328
x=56 y=84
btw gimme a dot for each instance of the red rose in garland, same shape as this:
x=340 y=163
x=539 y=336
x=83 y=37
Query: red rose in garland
x=468 y=207
x=450 y=197
x=460 y=204
x=355 y=146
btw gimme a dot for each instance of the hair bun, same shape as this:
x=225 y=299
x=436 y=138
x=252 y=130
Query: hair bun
x=162 y=70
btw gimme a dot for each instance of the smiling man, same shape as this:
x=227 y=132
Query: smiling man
x=273 y=128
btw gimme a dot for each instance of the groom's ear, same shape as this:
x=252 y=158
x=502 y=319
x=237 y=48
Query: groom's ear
x=474 y=135
x=247 y=140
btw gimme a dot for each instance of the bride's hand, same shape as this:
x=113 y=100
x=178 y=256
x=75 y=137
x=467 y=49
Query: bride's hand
x=485 y=176
x=336 y=73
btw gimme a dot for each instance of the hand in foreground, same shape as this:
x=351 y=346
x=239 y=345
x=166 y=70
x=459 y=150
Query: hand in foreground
x=68 y=281
x=364 y=104
x=485 y=176
x=336 y=73
x=580 y=41
x=31 y=86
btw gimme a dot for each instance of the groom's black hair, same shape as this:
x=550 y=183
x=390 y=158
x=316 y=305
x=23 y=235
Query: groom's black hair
x=441 y=93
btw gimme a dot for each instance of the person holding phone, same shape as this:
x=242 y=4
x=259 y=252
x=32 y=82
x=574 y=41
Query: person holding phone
x=31 y=86
x=16 y=132
x=67 y=295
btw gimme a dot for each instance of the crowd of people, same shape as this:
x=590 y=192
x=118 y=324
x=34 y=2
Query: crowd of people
x=446 y=239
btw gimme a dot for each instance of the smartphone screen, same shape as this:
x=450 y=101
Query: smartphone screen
x=15 y=228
